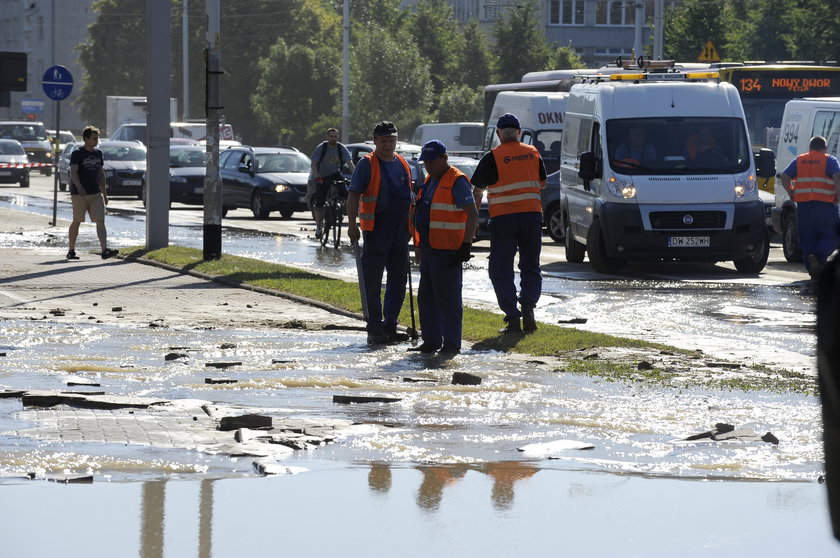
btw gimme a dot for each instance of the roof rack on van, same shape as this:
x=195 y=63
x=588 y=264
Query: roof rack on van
x=645 y=64
x=650 y=70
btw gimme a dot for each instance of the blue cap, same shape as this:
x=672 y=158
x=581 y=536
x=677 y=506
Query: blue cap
x=432 y=150
x=508 y=120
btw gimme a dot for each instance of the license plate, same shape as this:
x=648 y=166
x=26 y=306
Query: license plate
x=199 y=190
x=132 y=182
x=688 y=242
x=5 y=173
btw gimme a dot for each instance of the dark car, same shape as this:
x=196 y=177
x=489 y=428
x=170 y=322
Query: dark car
x=264 y=179
x=125 y=167
x=64 y=165
x=34 y=139
x=186 y=174
x=11 y=156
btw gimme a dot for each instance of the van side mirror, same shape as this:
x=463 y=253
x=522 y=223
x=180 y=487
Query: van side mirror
x=765 y=163
x=588 y=169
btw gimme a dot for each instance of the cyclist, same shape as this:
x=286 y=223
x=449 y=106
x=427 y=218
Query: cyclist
x=327 y=160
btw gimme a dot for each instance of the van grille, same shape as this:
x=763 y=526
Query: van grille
x=697 y=219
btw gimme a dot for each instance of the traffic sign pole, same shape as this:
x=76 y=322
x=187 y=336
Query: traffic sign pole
x=57 y=83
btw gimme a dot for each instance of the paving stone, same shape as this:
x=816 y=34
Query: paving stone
x=466 y=379
x=245 y=421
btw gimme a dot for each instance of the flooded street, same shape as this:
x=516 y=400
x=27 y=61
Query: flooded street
x=534 y=461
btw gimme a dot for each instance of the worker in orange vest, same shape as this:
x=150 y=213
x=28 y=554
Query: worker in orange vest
x=379 y=197
x=445 y=219
x=513 y=174
x=816 y=190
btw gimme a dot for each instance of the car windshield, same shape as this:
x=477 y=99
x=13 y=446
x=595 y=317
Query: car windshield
x=23 y=132
x=9 y=148
x=122 y=153
x=466 y=166
x=186 y=158
x=282 y=162
x=683 y=145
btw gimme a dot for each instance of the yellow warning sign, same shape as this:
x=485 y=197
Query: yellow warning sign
x=709 y=53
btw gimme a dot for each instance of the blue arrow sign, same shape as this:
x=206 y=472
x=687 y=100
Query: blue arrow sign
x=57 y=83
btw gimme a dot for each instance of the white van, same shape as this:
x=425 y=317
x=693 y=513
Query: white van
x=802 y=120
x=459 y=137
x=540 y=114
x=689 y=193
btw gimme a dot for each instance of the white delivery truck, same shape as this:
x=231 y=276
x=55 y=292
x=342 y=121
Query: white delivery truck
x=462 y=138
x=802 y=120
x=540 y=114
x=120 y=110
x=659 y=167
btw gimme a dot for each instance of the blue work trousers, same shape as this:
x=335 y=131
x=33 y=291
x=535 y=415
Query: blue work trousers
x=817 y=224
x=385 y=250
x=509 y=233
x=439 y=297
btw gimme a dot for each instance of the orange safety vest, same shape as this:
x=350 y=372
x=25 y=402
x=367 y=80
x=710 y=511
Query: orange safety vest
x=447 y=221
x=367 y=201
x=518 y=188
x=812 y=183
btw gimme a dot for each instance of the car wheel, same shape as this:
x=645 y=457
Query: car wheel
x=47 y=171
x=24 y=182
x=575 y=251
x=286 y=213
x=598 y=251
x=752 y=265
x=790 y=239
x=257 y=206
x=554 y=223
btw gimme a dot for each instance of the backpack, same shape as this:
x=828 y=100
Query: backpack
x=323 y=148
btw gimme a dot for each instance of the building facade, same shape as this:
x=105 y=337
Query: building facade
x=48 y=31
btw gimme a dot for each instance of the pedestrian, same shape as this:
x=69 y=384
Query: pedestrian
x=445 y=219
x=513 y=173
x=816 y=191
x=88 y=192
x=327 y=161
x=380 y=196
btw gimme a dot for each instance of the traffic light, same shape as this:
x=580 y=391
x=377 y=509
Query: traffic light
x=12 y=71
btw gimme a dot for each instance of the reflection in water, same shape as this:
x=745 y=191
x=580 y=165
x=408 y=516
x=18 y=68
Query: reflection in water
x=205 y=520
x=505 y=474
x=379 y=478
x=435 y=479
x=152 y=520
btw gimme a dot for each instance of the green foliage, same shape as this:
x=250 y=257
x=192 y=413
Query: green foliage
x=688 y=27
x=477 y=62
x=438 y=39
x=565 y=58
x=460 y=103
x=521 y=46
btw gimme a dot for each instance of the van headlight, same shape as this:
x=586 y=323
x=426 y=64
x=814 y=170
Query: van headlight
x=621 y=187
x=745 y=185
x=280 y=188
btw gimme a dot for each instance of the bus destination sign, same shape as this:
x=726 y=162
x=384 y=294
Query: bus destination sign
x=787 y=83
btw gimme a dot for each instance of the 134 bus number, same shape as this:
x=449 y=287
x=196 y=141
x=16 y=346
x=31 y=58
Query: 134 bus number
x=750 y=84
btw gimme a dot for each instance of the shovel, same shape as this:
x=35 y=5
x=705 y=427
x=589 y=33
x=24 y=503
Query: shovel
x=357 y=254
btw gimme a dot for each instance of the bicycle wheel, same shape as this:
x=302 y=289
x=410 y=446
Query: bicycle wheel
x=339 y=217
x=327 y=224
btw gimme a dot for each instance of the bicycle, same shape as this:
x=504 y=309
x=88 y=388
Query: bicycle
x=334 y=210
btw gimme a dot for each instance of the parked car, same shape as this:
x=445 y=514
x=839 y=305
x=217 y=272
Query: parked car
x=12 y=153
x=64 y=165
x=264 y=179
x=130 y=131
x=125 y=167
x=34 y=139
x=64 y=137
x=186 y=174
x=408 y=151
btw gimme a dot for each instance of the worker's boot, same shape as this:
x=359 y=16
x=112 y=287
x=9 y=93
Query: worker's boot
x=528 y=322
x=512 y=326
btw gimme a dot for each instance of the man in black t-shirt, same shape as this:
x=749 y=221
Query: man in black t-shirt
x=88 y=192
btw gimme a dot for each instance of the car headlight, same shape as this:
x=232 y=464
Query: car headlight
x=281 y=188
x=621 y=187
x=745 y=185
x=109 y=174
x=177 y=179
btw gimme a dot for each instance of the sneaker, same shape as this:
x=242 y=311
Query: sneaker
x=109 y=253
x=71 y=255
x=813 y=266
x=528 y=321
x=319 y=232
x=511 y=327
x=425 y=348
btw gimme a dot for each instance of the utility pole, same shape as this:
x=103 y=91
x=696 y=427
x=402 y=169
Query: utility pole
x=158 y=89
x=212 y=106
x=658 y=28
x=345 y=86
x=185 y=56
x=637 y=37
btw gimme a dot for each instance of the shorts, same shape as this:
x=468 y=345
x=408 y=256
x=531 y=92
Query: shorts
x=92 y=204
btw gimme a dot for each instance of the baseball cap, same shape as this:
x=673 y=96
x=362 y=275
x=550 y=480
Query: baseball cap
x=508 y=120
x=385 y=128
x=432 y=150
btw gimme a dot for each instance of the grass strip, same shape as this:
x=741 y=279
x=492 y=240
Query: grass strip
x=480 y=327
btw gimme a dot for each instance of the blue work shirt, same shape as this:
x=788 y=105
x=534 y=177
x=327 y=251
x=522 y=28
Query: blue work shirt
x=394 y=187
x=831 y=167
x=461 y=193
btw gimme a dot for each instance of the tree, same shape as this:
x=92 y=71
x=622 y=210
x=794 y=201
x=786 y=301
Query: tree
x=389 y=80
x=478 y=61
x=765 y=19
x=520 y=46
x=565 y=58
x=815 y=31
x=433 y=29
x=460 y=103
x=688 y=27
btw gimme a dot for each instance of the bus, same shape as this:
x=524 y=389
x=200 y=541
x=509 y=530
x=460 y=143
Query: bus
x=765 y=88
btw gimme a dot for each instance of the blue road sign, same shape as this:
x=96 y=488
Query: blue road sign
x=57 y=83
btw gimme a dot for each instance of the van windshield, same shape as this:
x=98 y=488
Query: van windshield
x=23 y=132
x=684 y=145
